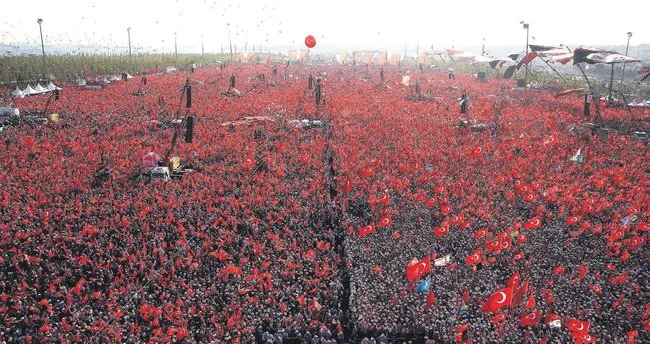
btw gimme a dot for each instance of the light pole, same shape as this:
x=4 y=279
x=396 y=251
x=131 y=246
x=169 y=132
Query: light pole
x=40 y=28
x=483 y=49
x=527 y=27
x=175 y=46
x=629 y=34
x=128 y=32
x=202 y=50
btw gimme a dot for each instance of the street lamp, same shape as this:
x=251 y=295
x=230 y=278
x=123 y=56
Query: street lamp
x=527 y=27
x=40 y=28
x=175 y=46
x=202 y=50
x=483 y=49
x=629 y=34
x=128 y=32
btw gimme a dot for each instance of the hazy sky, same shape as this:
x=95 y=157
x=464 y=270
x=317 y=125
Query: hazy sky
x=333 y=22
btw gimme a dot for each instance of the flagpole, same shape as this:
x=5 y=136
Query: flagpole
x=556 y=72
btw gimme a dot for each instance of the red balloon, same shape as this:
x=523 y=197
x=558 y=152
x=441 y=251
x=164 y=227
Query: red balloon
x=310 y=41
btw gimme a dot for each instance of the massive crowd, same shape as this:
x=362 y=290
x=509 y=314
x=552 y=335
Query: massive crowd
x=262 y=243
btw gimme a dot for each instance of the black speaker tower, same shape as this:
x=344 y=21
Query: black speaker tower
x=189 y=132
x=188 y=89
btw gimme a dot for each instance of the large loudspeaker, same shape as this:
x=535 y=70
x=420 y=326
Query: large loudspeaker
x=521 y=83
x=57 y=94
x=189 y=132
x=189 y=97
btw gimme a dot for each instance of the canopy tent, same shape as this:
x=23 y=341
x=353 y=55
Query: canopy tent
x=593 y=56
x=582 y=54
x=609 y=58
x=563 y=59
x=482 y=59
x=114 y=78
x=29 y=90
x=51 y=87
x=17 y=93
x=494 y=63
x=39 y=88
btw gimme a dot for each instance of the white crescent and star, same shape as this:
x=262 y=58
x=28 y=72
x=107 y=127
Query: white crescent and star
x=503 y=295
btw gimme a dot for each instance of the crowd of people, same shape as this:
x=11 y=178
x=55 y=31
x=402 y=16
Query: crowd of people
x=262 y=242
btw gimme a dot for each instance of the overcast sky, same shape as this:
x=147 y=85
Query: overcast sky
x=332 y=22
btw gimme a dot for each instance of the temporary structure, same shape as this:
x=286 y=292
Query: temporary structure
x=17 y=93
x=28 y=91
x=52 y=87
x=39 y=88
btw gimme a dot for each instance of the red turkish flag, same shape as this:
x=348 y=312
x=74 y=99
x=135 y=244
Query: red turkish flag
x=480 y=233
x=476 y=152
x=596 y=289
x=582 y=271
x=499 y=318
x=530 y=319
x=584 y=339
x=530 y=304
x=636 y=241
x=430 y=300
x=522 y=238
x=518 y=294
x=533 y=223
x=572 y=220
x=498 y=300
x=440 y=231
x=514 y=280
x=367 y=172
x=578 y=327
x=367 y=230
x=494 y=245
x=415 y=271
x=475 y=258
x=385 y=221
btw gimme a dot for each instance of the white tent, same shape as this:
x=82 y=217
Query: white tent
x=29 y=90
x=39 y=88
x=170 y=69
x=129 y=76
x=81 y=82
x=106 y=81
x=482 y=59
x=114 y=78
x=17 y=93
x=51 y=87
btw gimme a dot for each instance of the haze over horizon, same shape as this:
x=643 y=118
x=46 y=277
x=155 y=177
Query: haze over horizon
x=337 y=23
